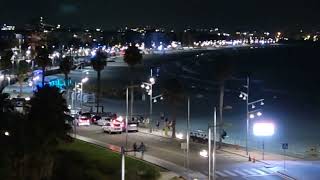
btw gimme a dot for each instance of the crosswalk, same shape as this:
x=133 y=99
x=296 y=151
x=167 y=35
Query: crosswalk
x=243 y=172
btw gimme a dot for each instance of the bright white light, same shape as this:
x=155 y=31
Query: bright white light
x=93 y=53
x=241 y=95
x=262 y=103
x=161 y=98
x=253 y=106
x=142 y=86
x=244 y=98
x=259 y=114
x=152 y=80
x=263 y=129
x=6 y=133
x=120 y=118
x=179 y=135
x=154 y=100
x=251 y=116
x=204 y=153
x=27 y=98
x=84 y=80
x=147 y=87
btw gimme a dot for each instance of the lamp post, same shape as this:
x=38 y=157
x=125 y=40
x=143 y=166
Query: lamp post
x=84 y=80
x=249 y=113
x=148 y=87
x=211 y=154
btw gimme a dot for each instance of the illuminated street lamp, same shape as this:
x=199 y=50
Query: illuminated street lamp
x=250 y=114
x=148 y=87
x=263 y=129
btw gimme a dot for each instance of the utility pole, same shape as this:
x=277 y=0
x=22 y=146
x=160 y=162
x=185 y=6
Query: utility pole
x=214 y=142
x=247 y=110
x=127 y=113
x=188 y=136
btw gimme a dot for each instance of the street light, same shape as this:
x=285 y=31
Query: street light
x=250 y=114
x=263 y=129
x=148 y=87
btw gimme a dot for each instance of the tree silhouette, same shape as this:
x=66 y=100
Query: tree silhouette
x=173 y=93
x=222 y=72
x=65 y=67
x=34 y=136
x=45 y=129
x=5 y=62
x=98 y=63
x=21 y=72
x=43 y=60
x=132 y=57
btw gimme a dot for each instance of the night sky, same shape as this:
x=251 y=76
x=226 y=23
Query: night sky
x=166 y=13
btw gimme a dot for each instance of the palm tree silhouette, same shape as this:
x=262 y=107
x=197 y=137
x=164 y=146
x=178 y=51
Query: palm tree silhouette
x=132 y=57
x=43 y=60
x=21 y=72
x=223 y=70
x=65 y=67
x=173 y=93
x=98 y=63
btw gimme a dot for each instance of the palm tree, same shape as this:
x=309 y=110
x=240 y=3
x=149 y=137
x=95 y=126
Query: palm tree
x=98 y=63
x=132 y=57
x=173 y=94
x=65 y=67
x=21 y=72
x=43 y=60
x=5 y=62
x=223 y=71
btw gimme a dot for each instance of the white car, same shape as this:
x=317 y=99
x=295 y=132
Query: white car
x=112 y=127
x=132 y=127
x=83 y=120
x=103 y=121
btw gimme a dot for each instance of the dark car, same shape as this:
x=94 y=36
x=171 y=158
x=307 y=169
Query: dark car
x=95 y=118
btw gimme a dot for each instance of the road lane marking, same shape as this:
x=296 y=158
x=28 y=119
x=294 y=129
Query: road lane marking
x=221 y=174
x=230 y=173
x=258 y=171
x=249 y=172
x=266 y=170
x=240 y=172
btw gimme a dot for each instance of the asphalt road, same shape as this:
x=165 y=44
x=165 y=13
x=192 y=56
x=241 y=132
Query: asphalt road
x=228 y=166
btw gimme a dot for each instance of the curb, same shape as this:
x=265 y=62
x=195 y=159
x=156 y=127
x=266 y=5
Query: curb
x=244 y=156
x=286 y=175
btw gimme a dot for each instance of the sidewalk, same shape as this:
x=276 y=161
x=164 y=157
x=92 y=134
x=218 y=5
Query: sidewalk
x=176 y=169
x=270 y=159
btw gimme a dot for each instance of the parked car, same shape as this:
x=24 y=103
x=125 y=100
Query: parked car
x=95 y=118
x=199 y=136
x=112 y=127
x=103 y=121
x=132 y=127
x=83 y=119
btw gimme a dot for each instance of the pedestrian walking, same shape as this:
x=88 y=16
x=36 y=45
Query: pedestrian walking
x=135 y=148
x=158 y=125
x=142 y=148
